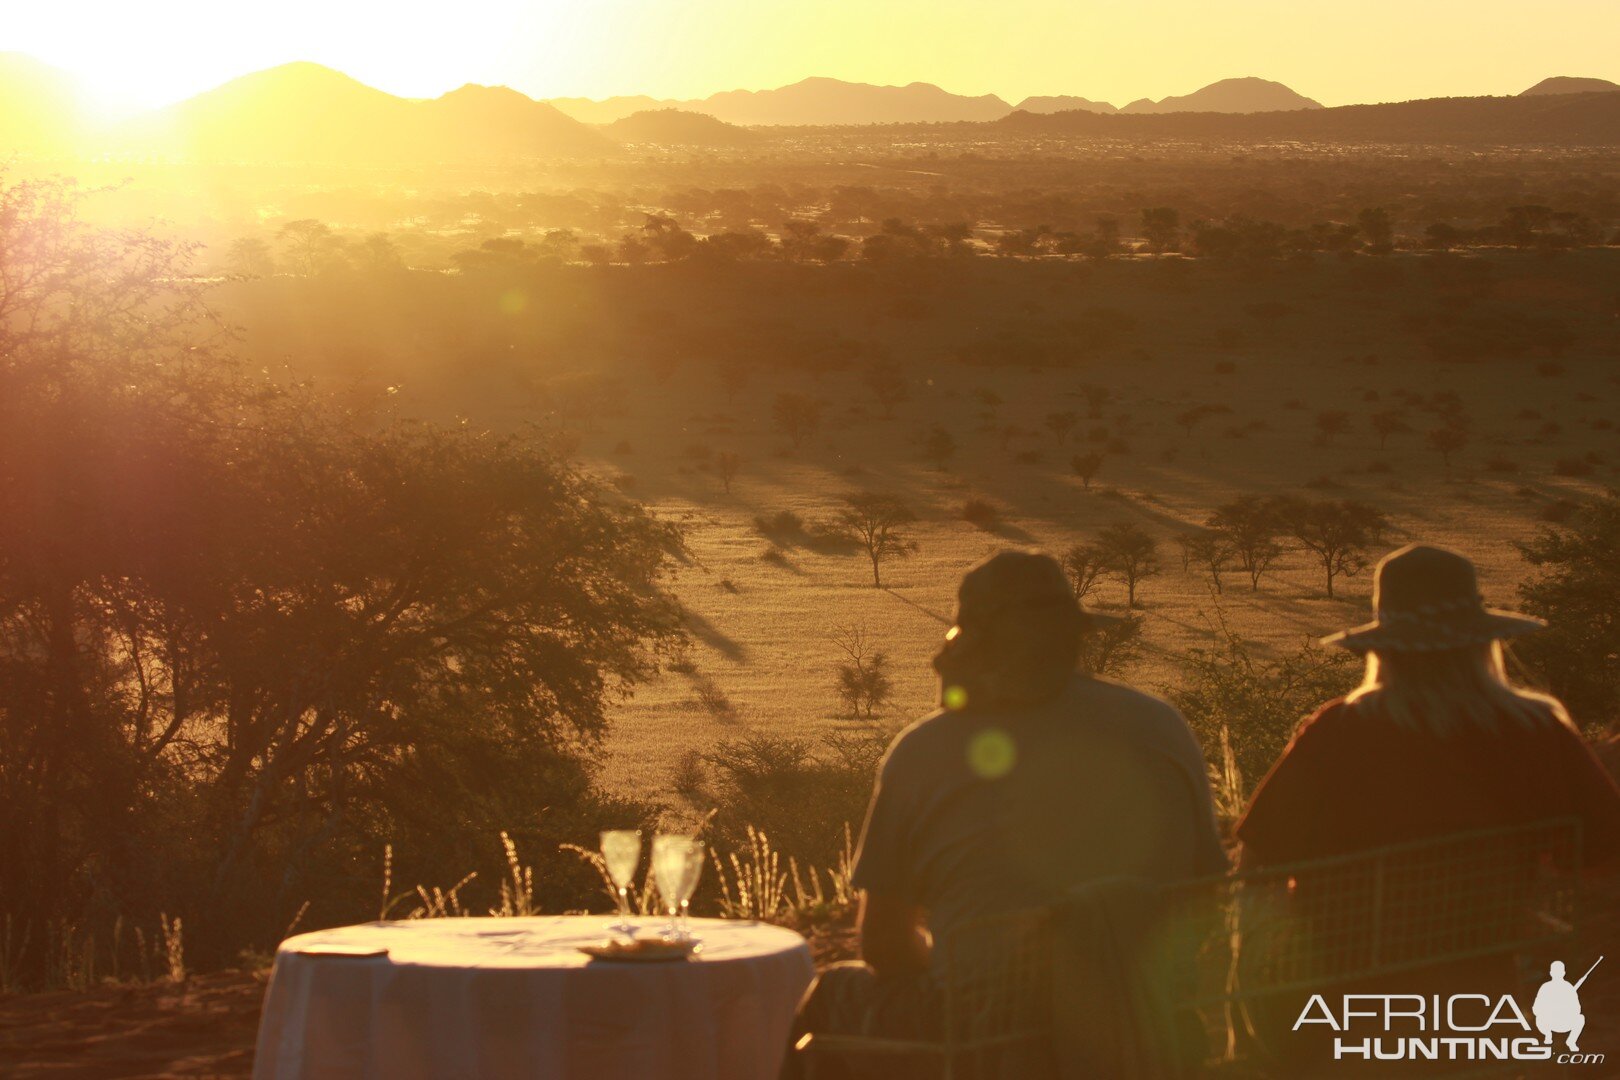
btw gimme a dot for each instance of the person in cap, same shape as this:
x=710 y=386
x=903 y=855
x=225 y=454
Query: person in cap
x=1436 y=740
x=1033 y=778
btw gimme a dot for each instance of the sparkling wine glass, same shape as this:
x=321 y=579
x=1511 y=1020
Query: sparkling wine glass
x=689 y=882
x=621 y=851
x=672 y=865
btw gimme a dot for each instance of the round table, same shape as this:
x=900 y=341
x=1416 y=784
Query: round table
x=472 y=998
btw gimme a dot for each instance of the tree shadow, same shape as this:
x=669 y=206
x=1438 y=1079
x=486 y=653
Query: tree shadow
x=711 y=635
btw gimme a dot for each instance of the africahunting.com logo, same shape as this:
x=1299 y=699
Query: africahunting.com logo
x=1459 y=1027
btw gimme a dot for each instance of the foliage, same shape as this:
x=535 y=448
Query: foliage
x=244 y=640
x=1234 y=695
x=864 y=685
x=1338 y=532
x=1128 y=551
x=877 y=522
x=1577 y=590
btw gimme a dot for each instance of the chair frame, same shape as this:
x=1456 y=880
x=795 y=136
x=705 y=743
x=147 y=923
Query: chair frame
x=968 y=991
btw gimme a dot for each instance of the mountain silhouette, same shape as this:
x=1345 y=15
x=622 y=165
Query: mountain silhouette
x=677 y=127
x=814 y=101
x=304 y=112
x=1247 y=95
x=1063 y=103
x=1566 y=119
x=1565 y=84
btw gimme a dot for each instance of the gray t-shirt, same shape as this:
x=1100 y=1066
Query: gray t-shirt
x=984 y=811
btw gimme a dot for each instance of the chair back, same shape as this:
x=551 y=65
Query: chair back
x=1305 y=927
x=996 y=977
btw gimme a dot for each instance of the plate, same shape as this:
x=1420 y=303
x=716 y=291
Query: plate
x=643 y=950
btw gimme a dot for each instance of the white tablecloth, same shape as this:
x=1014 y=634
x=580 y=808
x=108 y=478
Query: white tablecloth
x=514 y=998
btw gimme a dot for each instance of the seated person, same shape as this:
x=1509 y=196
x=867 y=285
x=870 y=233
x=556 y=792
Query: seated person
x=1031 y=780
x=1436 y=741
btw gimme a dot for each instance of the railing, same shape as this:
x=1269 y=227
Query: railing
x=1221 y=945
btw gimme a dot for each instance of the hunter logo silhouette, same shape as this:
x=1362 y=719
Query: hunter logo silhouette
x=1558 y=1005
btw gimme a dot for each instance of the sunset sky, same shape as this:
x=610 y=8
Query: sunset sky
x=158 y=51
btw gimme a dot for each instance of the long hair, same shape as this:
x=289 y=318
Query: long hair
x=1450 y=692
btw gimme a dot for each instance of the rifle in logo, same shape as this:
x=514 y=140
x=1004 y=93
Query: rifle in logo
x=1557 y=1006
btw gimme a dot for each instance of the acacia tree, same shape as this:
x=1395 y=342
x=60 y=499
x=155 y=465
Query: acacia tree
x=1060 y=424
x=939 y=446
x=1085 y=564
x=877 y=523
x=728 y=465
x=797 y=416
x=863 y=680
x=1332 y=423
x=1388 y=422
x=1211 y=551
x=1446 y=440
x=1338 y=532
x=888 y=386
x=1250 y=527
x=243 y=639
x=1128 y=551
x=1086 y=467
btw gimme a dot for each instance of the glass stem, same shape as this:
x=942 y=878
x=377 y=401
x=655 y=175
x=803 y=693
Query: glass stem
x=624 y=904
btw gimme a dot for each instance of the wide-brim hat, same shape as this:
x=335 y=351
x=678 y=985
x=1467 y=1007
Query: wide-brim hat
x=1026 y=585
x=1426 y=599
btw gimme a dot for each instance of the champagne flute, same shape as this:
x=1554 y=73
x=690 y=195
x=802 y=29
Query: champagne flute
x=621 y=851
x=670 y=858
x=689 y=881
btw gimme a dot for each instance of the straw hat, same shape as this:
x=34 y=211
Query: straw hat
x=1426 y=599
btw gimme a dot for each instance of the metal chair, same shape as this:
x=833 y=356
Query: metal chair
x=994 y=979
x=1264 y=935
x=1232 y=942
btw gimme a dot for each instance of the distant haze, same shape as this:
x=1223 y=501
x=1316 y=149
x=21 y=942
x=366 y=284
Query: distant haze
x=306 y=112
x=157 y=52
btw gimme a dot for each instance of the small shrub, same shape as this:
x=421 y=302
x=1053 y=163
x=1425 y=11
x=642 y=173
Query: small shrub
x=981 y=514
x=1501 y=464
x=1572 y=466
x=1558 y=511
x=783 y=523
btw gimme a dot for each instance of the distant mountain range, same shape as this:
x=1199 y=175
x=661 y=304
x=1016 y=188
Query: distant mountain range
x=816 y=101
x=304 y=112
x=1584 y=119
x=831 y=102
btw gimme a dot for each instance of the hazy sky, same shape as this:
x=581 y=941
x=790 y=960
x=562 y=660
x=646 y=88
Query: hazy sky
x=154 y=51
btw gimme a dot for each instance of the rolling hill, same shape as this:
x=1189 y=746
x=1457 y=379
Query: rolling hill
x=1566 y=84
x=1246 y=95
x=308 y=113
x=1064 y=103
x=814 y=101
x=677 y=127
x=1566 y=119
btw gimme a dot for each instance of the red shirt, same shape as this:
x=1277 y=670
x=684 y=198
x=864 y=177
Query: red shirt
x=1350 y=782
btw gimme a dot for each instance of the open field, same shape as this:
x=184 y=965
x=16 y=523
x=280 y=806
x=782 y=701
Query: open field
x=634 y=362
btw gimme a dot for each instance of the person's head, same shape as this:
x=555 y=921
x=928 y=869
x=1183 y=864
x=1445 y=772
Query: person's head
x=1017 y=633
x=1557 y=969
x=1435 y=660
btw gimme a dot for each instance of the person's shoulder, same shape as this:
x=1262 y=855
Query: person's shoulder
x=1105 y=697
x=1332 y=726
x=919 y=736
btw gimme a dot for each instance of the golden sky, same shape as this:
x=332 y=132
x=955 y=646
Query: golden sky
x=154 y=51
